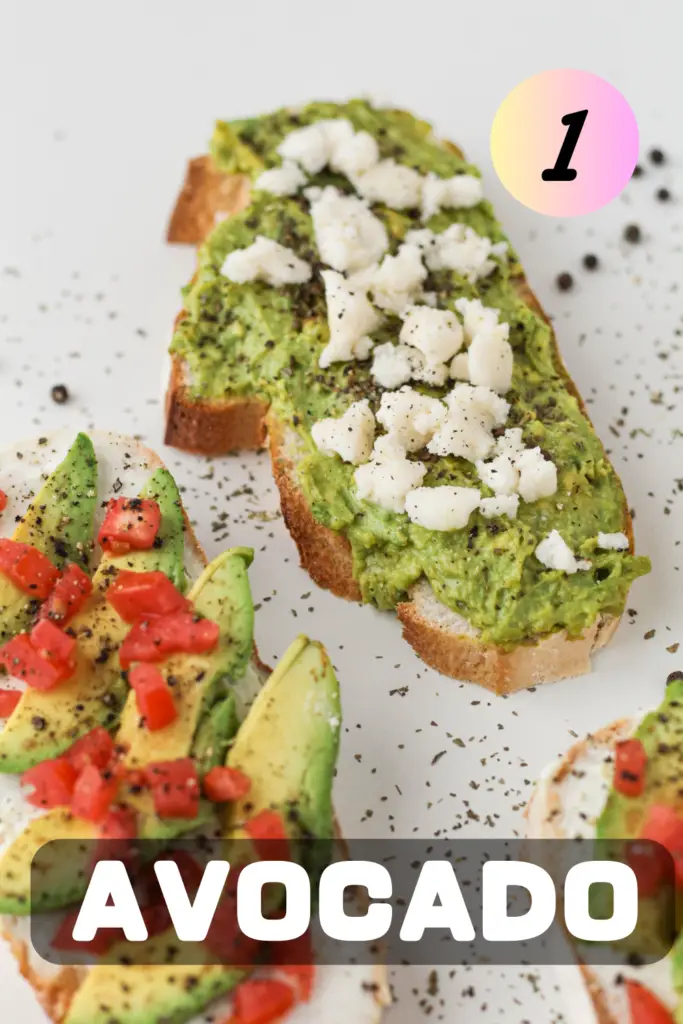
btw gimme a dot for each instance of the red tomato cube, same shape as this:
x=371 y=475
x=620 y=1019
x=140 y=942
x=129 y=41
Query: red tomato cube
x=8 y=702
x=664 y=826
x=630 y=762
x=53 y=783
x=29 y=569
x=3 y=501
x=262 y=1000
x=130 y=524
x=21 y=659
x=223 y=784
x=175 y=788
x=268 y=834
x=53 y=644
x=119 y=823
x=96 y=747
x=158 y=636
x=153 y=697
x=644 y=1006
x=68 y=595
x=138 y=594
x=93 y=794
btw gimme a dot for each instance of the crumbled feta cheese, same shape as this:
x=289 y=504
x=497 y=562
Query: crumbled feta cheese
x=348 y=236
x=490 y=359
x=396 y=186
x=429 y=371
x=537 y=475
x=554 y=553
x=500 y=474
x=266 y=260
x=392 y=365
x=389 y=476
x=458 y=248
x=437 y=333
x=459 y=368
x=311 y=147
x=476 y=316
x=355 y=156
x=501 y=505
x=613 y=541
x=350 y=317
x=410 y=418
x=462 y=191
x=397 y=281
x=281 y=181
x=472 y=414
x=510 y=443
x=442 y=508
x=350 y=436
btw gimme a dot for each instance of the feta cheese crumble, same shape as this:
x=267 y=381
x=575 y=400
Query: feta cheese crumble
x=281 y=181
x=350 y=436
x=500 y=474
x=348 y=235
x=442 y=508
x=312 y=146
x=458 y=248
x=472 y=415
x=266 y=260
x=437 y=333
x=397 y=281
x=389 y=476
x=355 y=156
x=410 y=418
x=554 y=553
x=394 y=185
x=490 y=359
x=350 y=317
x=537 y=475
x=462 y=191
x=501 y=505
x=613 y=541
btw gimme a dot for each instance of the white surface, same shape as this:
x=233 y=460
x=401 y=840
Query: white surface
x=101 y=105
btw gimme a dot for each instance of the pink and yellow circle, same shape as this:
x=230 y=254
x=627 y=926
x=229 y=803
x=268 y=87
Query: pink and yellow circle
x=564 y=142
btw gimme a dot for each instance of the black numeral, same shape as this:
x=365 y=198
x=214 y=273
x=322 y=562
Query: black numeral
x=562 y=171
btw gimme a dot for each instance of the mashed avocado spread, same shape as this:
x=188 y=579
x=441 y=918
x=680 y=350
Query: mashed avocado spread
x=253 y=339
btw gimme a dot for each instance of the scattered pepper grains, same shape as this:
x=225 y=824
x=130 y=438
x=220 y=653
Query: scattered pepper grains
x=632 y=233
x=663 y=195
x=564 y=281
x=590 y=261
x=60 y=394
x=657 y=156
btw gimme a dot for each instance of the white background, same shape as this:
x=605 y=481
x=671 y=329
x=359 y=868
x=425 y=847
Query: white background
x=101 y=105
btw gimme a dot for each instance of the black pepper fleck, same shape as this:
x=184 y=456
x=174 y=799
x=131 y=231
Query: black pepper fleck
x=60 y=394
x=564 y=281
x=590 y=261
x=632 y=233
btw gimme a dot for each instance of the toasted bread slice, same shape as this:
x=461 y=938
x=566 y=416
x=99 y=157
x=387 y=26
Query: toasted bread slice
x=565 y=804
x=443 y=639
x=125 y=464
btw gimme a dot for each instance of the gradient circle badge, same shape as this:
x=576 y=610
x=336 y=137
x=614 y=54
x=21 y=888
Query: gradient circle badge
x=564 y=142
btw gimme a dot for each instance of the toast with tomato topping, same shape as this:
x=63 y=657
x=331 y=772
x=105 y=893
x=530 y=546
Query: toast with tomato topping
x=346 y=536
x=623 y=782
x=167 y=759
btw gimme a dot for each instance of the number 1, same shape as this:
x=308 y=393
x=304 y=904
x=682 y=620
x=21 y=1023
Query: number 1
x=562 y=171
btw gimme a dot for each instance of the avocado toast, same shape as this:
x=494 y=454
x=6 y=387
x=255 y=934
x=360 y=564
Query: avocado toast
x=182 y=716
x=623 y=782
x=357 y=303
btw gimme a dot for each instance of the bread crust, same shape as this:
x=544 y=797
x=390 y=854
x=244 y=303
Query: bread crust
x=219 y=427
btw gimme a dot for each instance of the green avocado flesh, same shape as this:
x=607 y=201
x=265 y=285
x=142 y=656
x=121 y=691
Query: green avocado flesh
x=44 y=725
x=288 y=743
x=252 y=339
x=139 y=994
x=58 y=522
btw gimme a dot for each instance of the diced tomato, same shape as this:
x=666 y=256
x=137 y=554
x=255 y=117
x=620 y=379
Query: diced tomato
x=53 y=783
x=649 y=864
x=93 y=795
x=8 y=701
x=153 y=697
x=53 y=644
x=3 y=501
x=138 y=594
x=225 y=941
x=295 y=960
x=262 y=1000
x=629 y=767
x=175 y=788
x=223 y=784
x=191 y=873
x=101 y=944
x=96 y=747
x=21 y=659
x=129 y=524
x=158 y=636
x=68 y=595
x=269 y=836
x=29 y=569
x=157 y=919
x=644 y=1006
x=664 y=826
x=119 y=823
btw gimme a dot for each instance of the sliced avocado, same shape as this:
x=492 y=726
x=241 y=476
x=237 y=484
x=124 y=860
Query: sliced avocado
x=661 y=733
x=58 y=522
x=214 y=733
x=44 y=725
x=288 y=743
x=199 y=681
x=137 y=994
x=63 y=878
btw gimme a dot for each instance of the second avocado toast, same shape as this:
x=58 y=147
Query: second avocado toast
x=137 y=706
